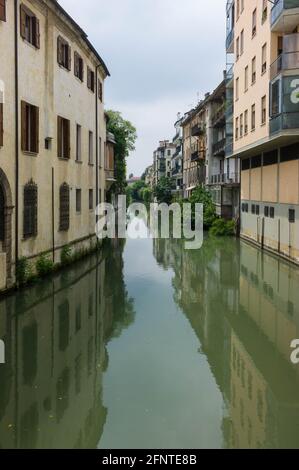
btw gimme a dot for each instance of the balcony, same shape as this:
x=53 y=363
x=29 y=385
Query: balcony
x=289 y=59
x=197 y=155
x=109 y=174
x=230 y=41
x=197 y=130
x=219 y=148
x=284 y=121
x=224 y=178
x=285 y=16
x=218 y=119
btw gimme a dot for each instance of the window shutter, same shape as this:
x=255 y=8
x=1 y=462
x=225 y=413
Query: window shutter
x=88 y=78
x=22 y=22
x=69 y=57
x=37 y=33
x=36 y=129
x=3 y=10
x=64 y=203
x=1 y=125
x=59 y=51
x=68 y=139
x=23 y=126
x=76 y=64
x=59 y=136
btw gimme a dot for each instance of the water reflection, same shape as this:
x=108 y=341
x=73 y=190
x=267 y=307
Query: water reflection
x=55 y=336
x=244 y=308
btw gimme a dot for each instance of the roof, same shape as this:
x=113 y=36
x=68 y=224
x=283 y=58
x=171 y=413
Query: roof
x=83 y=35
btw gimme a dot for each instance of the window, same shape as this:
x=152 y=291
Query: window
x=253 y=70
x=2 y=10
x=63 y=137
x=90 y=199
x=246 y=79
x=238 y=48
x=100 y=91
x=78 y=200
x=30 y=128
x=272 y=212
x=264 y=58
x=266 y=211
x=237 y=129
x=238 y=8
x=78 y=66
x=253 y=117
x=241 y=125
x=78 y=143
x=246 y=122
x=64 y=57
x=254 y=23
x=264 y=110
x=29 y=27
x=64 y=207
x=1 y=125
x=257 y=210
x=30 y=210
x=253 y=209
x=275 y=98
x=100 y=152
x=292 y=216
x=90 y=79
x=237 y=88
x=242 y=42
x=90 y=148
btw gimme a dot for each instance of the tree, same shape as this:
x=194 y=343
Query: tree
x=134 y=191
x=162 y=191
x=202 y=196
x=125 y=136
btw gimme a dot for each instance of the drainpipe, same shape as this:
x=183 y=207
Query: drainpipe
x=16 y=138
x=97 y=139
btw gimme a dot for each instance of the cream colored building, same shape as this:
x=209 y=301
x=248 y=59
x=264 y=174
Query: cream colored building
x=265 y=41
x=53 y=133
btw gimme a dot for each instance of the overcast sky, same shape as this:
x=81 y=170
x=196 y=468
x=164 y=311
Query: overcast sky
x=162 y=56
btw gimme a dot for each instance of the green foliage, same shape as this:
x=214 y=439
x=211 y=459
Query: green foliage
x=44 y=266
x=202 y=196
x=66 y=255
x=146 y=194
x=222 y=228
x=125 y=136
x=162 y=191
x=134 y=192
x=22 y=271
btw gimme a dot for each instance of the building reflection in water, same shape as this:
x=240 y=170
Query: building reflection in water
x=244 y=308
x=55 y=336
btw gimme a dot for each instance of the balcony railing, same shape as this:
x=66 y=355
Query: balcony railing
x=284 y=121
x=218 y=119
x=280 y=6
x=286 y=61
x=230 y=40
x=197 y=155
x=110 y=175
x=219 y=147
x=224 y=178
x=197 y=130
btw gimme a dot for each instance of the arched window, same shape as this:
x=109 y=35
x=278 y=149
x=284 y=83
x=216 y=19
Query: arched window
x=30 y=210
x=64 y=207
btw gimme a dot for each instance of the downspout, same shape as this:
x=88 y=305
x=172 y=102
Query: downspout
x=97 y=139
x=16 y=139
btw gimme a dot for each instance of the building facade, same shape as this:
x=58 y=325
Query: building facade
x=163 y=160
x=265 y=41
x=53 y=133
x=177 y=159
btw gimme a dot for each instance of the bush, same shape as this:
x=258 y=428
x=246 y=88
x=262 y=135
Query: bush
x=22 y=271
x=202 y=196
x=222 y=228
x=44 y=266
x=66 y=255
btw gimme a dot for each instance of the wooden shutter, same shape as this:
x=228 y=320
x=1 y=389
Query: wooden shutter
x=68 y=138
x=64 y=203
x=22 y=22
x=76 y=64
x=88 y=78
x=30 y=210
x=23 y=127
x=36 y=130
x=37 y=33
x=59 y=51
x=59 y=136
x=69 y=65
x=1 y=125
x=3 y=10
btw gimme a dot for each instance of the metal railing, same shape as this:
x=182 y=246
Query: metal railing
x=219 y=147
x=284 y=121
x=286 y=61
x=224 y=178
x=219 y=115
x=281 y=5
x=230 y=38
x=109 y=174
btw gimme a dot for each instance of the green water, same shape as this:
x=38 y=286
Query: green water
x=150 y=346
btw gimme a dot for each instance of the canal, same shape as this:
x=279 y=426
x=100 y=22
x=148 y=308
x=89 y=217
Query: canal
x=147 y=345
